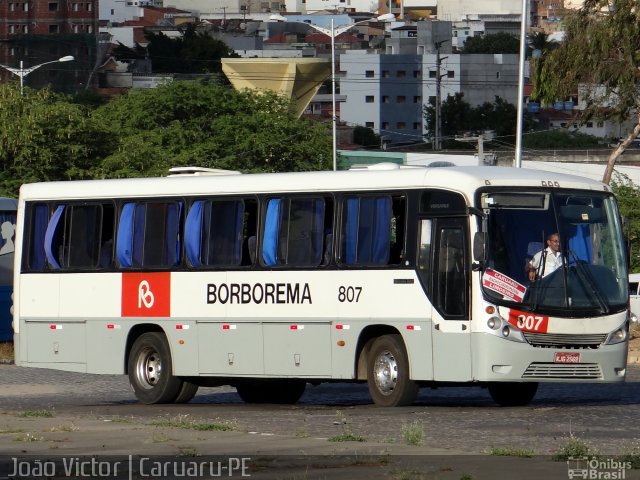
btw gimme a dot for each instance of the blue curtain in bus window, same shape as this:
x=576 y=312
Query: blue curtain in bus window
x=52 y=238
x=193 y=233
x=137 y=247
x=381 y=231
x=351 y=231
x=270 y=239
x=580 y=244
x=125 y=236
x=38 y=254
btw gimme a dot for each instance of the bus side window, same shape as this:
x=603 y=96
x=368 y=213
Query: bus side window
x=373 y=230
x=38 y=220
x=87 y=229
x=294 y=231
x=215 y=231
x=149 y=234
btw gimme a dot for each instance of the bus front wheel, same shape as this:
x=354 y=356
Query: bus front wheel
x=512 y=394
x=150 y=370
x=388 y=373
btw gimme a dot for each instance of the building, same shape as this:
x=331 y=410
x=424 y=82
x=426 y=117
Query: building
x=388 y=92
x=47 y=17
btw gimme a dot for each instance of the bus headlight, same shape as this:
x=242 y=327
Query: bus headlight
x=618 y=336
x=494 y=323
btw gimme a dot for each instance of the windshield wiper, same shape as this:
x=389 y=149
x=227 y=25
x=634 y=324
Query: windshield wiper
x=588 y=277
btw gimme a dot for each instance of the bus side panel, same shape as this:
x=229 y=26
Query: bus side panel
x=106 y=342
x=54 y=343
x=230 y=348
x=300 y=349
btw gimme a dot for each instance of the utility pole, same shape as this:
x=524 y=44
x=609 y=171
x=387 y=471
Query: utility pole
x=438 y=94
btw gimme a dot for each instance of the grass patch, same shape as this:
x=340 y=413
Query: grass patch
x=36 y=414
x=28 y=437
x=6 y=350
x=11 y=430
x=512 y=452
x=64 y=428
x=413 y=433
x=187 y=423
x=573 y=447
x=347 y=437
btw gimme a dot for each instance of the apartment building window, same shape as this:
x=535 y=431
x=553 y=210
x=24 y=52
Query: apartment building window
x=369 y=99
x=369 y=73
x=432 y=99
x=417 y=74
x=369 y=124
x=75 y=7
x=54 y=29
x=401 y=125
x=416 y=125
x=113 y=11
x=89 y=28
x=451 y=74
x=89 y=7
x=401 y=74
x=589 y=124
x=385 y=125
x=417 y=99
x=53 y=7
x=401 y=99
x=385 y=99
x=498 y=75
x=432 y=74
x=385 y=74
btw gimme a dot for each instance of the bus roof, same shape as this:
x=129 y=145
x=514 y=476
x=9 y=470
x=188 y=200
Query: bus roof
x=461 y=179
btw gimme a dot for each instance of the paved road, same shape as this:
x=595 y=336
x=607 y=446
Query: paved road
x=456 y=422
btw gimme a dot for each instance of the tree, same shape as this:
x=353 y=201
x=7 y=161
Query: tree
x=45 y=137
x=204 y=124
x=366 y=137
x=192 y=53
x=628 y=196
x=492 y=43
x=459 y=116
x=600 y=55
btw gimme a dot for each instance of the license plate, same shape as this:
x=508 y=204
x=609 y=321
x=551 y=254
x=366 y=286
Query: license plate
x=566 y=357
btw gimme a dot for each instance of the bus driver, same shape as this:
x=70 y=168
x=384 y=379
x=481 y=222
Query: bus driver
x=546 y=261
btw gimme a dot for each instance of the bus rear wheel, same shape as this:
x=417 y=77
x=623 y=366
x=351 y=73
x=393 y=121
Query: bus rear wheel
x=150 y=370
x=512 y=394
x=187 y=391
x=266 y=390
x=388 y=373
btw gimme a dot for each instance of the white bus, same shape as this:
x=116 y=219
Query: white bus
x=400 y=277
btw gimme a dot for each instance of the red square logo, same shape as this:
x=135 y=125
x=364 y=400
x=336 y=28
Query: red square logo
x=146 y=294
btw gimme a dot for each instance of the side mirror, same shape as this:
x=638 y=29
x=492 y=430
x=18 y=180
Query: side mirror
x=479 y=247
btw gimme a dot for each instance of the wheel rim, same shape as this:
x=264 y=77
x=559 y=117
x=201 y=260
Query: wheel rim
x=148 y=368
x=385 y=372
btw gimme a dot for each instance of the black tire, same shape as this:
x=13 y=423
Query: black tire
x=267 y=390
x=388 y=373
x=150 y=370
x=513 y=394
x=187 y=391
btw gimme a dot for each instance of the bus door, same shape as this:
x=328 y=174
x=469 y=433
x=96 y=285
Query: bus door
x=443 y=261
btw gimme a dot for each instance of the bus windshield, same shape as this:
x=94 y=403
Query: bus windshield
x=554 y=253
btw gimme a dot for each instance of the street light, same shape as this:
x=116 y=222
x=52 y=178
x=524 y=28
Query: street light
x=23 y=72
x=333 y=32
